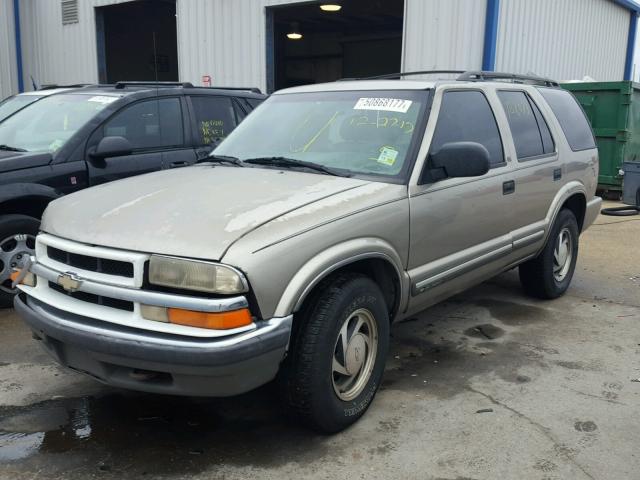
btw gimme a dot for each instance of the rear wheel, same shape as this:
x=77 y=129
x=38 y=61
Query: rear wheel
x=337 y=356
x=17 y=242
x=549 y=274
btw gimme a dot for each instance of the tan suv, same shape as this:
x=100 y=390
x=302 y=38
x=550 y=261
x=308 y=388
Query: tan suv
x=330 y=212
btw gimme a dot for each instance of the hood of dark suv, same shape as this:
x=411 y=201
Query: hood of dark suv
x=191 y=212
x=18 y=160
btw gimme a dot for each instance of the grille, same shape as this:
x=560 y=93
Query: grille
x=95 y=299
x=92 y=264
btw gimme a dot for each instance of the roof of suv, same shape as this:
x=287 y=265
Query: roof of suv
x=396 y=81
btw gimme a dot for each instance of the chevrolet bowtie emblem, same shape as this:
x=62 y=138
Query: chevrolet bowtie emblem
x=69 y=281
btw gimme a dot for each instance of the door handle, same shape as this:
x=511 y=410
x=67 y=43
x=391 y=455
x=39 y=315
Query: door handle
x=508 y=187
x=178 y=164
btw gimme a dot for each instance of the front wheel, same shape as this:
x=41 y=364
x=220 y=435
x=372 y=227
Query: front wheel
x=338 y=352
x=17 y=241
x=549 y=274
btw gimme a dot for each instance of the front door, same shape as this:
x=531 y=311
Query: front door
x=460 y=227
x=154 y=127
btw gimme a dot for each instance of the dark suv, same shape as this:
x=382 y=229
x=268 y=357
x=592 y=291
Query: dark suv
x=92 y=135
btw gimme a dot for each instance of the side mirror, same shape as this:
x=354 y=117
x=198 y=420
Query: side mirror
x=458 y=159
x=112 y=147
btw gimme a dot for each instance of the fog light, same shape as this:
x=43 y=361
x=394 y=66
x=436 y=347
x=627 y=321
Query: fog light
x=151 y=312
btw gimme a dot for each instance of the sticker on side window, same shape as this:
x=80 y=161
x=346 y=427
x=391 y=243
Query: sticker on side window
x=387 y=104
x=102 y=99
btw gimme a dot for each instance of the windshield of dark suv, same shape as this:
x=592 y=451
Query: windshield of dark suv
x=46 y=125
x=361 y=133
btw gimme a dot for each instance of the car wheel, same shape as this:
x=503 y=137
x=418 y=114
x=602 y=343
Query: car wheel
x=17 y=241
x=337 y=355
x=549 y=274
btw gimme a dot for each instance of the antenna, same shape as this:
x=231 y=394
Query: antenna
x=155 y=61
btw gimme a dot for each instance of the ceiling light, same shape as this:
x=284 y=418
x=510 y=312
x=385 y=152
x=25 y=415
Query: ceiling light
x=330 y=7
x=294 y=34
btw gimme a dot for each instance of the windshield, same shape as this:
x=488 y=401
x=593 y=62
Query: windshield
x=368 y=133
x=13 y=104
x=46 y=125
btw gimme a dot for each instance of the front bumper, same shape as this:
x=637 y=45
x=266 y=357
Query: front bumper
x=158 y=362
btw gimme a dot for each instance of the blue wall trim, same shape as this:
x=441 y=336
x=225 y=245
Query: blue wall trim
x=631 y=43
x=16 y=21
x=630 y=4
x=490 y=35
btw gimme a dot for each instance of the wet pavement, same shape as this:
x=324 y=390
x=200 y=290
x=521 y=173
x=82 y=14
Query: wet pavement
x=490 y=384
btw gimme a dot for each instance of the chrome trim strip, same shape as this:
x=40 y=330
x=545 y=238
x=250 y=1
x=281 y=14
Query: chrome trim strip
x=144 y=296
x=528 y=240
x=435 y=280
x=266 y=326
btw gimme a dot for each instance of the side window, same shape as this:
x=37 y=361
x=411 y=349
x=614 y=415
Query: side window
x=466 y=116
x=547 y=140
x=530 y=132
x=215 y=118
x=571 y=118
x=149 y=124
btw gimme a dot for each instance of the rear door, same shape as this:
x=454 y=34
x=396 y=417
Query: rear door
x=537 y=170
x=154 y=127
x=213 y=118
x=461 y=227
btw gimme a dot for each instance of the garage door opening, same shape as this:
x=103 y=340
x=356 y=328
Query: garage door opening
x=125 y=34
x=363 y=38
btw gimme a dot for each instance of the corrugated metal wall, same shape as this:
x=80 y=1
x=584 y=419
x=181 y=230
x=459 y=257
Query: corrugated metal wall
x=8 y=77
x=563 y=39
x=443 y=35
x=56 y=53
x=224 y=39
x=227 y=39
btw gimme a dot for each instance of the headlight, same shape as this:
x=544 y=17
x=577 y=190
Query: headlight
x=195 y=275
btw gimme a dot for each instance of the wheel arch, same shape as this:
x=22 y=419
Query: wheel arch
x=573 y=196
x=26 y=199
x=382 y=264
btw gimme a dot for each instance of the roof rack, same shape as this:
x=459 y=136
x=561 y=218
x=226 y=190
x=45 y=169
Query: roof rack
x=405 y=74
x=247 y=89
x=51 y=86
x=470 y=76
x=123 y=84
x=484 y=76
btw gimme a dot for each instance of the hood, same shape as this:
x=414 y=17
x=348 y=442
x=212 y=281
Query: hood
x=19 y=160
x=192 y=212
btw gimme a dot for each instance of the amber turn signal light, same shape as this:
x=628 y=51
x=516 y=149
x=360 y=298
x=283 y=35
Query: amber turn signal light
x=217 y=321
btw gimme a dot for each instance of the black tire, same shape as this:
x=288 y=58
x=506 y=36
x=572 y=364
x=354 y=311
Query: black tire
x=537 y=275
x=11 y=225
x=307 y=377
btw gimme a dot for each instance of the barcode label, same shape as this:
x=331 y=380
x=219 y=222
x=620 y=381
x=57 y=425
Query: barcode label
x=387 y=104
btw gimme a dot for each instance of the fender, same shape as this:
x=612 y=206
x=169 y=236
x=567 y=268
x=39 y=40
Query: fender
x=340 y=255
x=567 y=190
x=15 y=191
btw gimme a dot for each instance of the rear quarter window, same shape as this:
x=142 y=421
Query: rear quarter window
x=571 y=117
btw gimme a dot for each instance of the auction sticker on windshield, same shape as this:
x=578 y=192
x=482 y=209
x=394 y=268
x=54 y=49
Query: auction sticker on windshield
x=388 y=104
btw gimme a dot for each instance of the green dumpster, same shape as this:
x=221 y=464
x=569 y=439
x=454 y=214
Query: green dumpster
x=613 y=109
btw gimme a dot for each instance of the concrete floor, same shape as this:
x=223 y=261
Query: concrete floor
x=488 y=385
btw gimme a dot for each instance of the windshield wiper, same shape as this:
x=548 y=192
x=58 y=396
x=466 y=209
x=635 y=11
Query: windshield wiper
x=285 y=162
x=11 y=149
x=222 y=159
